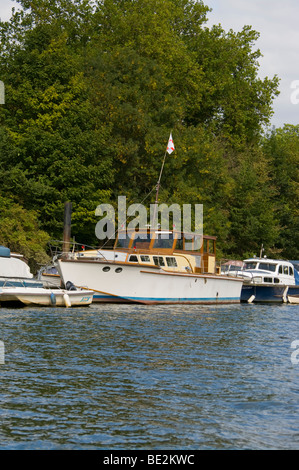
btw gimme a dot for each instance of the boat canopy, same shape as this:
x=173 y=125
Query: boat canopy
x=4 y=251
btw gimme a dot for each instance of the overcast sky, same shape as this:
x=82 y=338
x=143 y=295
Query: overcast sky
x=277 y=22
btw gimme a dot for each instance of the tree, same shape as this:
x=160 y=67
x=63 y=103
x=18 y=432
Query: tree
x=20 y=231
x=56 y=153
x=281 y=147
x=93 y=90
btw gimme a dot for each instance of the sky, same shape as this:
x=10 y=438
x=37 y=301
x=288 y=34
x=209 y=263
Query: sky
x=277 y=22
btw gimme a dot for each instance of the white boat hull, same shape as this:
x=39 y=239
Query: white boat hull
x=45 y=297
x=293 y=299
x=113 y=282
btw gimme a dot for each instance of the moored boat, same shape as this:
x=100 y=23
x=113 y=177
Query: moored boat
x=14 y=271
x=293 y=299
x=44 y=297
x=268 y=280
x=18 y=286
x=49 y=275
x=152 y=267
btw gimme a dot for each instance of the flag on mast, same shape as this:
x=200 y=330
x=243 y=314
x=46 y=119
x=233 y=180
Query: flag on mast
x=170 y=145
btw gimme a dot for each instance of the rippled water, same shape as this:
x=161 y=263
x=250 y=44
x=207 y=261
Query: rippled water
x=150 y=377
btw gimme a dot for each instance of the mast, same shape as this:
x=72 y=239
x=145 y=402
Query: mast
x=67 y=227
x=169 y=149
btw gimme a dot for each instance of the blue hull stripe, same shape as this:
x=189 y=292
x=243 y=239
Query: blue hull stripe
x=167 y=299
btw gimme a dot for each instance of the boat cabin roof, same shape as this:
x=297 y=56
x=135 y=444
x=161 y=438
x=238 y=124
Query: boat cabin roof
x=267 y=260
x=164 y=240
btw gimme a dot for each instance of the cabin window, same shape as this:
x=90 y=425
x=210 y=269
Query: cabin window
x=123 y=242
x=197 y=243
x=276 y=280
x=171 y=262
x=285 y=270
x=118 y=270
x=145 y=259
x=197 y=261
x=205 y=245
x=133 y=259
x=188 y=245
x=163 y=240
x=179 y=244
x=268 y=266
x=250 y=265
x=280 y=269
x=158 y=260
x=193 y=243
x=291 y=272
x=211 y=246
x=106 y=269
x=268 y=279
x=142 y=240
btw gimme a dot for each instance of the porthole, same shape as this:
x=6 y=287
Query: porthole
x=106 y=269
x=118 y=270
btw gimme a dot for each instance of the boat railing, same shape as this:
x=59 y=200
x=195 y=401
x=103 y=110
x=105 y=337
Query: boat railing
x=75 y=248
x=13 y=281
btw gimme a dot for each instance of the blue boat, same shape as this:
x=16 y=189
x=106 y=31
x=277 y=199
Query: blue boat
x=268 y=280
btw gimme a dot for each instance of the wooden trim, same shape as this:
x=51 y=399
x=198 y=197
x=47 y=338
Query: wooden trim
x=210 y=276
x=109 y=262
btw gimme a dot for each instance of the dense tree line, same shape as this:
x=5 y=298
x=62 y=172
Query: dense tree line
x=92 y=90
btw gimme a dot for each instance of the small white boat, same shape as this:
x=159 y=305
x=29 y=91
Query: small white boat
x=14 y=271
x=45 y=296
x=293 y=299
x=18 y=286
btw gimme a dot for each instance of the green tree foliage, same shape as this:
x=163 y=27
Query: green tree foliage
x=51 y=121
x=20 y=231
x=282 y=149
x=253 y=222
x=93 y=90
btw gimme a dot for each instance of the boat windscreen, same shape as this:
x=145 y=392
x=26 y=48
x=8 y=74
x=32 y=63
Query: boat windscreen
x=250 y=265
x=123 y=241
x=163 y=240
x=268 y=266
x=142 y=240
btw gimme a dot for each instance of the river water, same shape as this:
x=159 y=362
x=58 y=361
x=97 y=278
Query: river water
x=150 y=377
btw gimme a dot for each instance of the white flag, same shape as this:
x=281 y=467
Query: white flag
x=170 y=146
